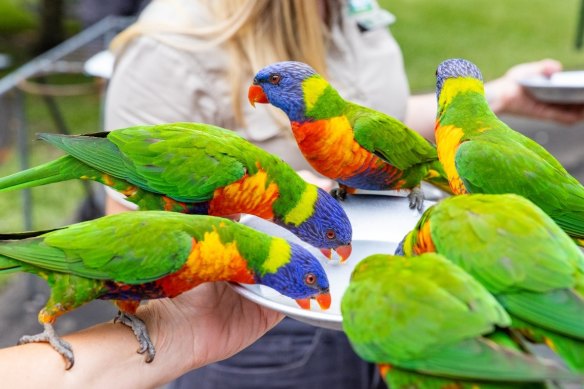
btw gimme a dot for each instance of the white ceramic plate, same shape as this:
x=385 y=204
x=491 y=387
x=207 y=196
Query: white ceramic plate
x=561 y=87
x=379 y=223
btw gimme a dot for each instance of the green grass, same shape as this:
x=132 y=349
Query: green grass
x=493 y=34
x=53 y=205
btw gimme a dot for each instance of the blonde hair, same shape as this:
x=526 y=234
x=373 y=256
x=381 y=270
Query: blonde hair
x=256 y=33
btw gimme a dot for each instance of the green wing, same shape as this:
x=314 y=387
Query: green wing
x=389 y=138
x=398 y=378
x=133 y=247
x=507 y=162
x=505 y=242
x=399 y=309
x=184 y=161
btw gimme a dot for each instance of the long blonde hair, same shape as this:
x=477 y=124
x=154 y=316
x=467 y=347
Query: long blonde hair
x=256 y=33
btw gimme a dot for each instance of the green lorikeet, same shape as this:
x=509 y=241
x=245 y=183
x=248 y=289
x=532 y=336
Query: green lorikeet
x=196 y=168
x=136 y=256
x=356 y=146
x=481 y=154
x=425 y=321
x=521 y=256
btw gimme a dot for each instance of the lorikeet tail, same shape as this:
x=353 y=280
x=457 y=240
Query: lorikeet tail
x=568 y=349
x=397 y=378
x=437 y=177
x=62 y=169
x=483 y=360
x=565 y=318
x=7 y=264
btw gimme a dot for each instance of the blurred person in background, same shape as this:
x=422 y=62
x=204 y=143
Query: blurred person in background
x=192 y=60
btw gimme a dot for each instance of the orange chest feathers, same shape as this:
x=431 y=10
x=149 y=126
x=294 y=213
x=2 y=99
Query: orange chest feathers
x=209 y=260
x=330 y=147
x=252 y=194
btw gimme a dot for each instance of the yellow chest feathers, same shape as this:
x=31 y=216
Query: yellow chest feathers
x=447 y=140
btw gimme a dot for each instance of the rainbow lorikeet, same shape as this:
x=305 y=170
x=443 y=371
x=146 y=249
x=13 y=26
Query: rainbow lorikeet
x=481 y=154
x=135 y=256
x=521 y=256
x=196 y=168
x=427 y=323
x=356 y=146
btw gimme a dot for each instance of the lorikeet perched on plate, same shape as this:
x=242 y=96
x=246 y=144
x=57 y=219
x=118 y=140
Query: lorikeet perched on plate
x=426 y=321
x=196 y=168
x=356 y=146
x=521 y=256
x=136 y=256
x=481 y=154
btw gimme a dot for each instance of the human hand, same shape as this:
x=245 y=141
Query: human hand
x=204 y=325
x=507 y=96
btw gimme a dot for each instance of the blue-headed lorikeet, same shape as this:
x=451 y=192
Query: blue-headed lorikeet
x=136 y=256
x=356 y=146
x=196 y=168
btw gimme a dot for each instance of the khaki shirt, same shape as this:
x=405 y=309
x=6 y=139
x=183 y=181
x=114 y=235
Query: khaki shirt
x=157 y=79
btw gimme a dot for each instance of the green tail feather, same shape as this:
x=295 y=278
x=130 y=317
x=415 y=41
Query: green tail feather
x=62 y=169
x=8 y=265
x=403 y=379
x=560 y=310
x=569 y=350
x=483 y=360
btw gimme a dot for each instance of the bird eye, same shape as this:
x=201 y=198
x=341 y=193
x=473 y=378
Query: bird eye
x=275 y=79
x=330 y=234
x=310 y=279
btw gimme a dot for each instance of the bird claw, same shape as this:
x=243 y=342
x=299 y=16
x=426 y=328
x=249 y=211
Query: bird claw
x=339 y=193
x=416 y=198
x=59 y=345
x=141 y=332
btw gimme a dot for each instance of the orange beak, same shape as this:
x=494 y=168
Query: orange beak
x=343 y=251
x=256 y=94
x=303 y=303
x=323 y=300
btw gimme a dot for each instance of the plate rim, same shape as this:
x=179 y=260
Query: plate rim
x=283 y=308
x=542 y=82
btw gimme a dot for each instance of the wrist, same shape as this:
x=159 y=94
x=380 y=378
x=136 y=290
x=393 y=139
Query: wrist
x=175 y=354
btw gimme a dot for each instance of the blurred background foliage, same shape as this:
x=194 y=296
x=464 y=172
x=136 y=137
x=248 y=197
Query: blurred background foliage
x=493 y=34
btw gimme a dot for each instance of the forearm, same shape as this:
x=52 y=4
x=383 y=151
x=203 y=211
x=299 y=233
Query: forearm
x=421 y=114
x=105 y=356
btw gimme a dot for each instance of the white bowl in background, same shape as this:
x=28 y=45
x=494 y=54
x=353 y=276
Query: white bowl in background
x=560 y=87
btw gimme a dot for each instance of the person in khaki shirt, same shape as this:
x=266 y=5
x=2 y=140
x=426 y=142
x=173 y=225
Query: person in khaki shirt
x=192 y=60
